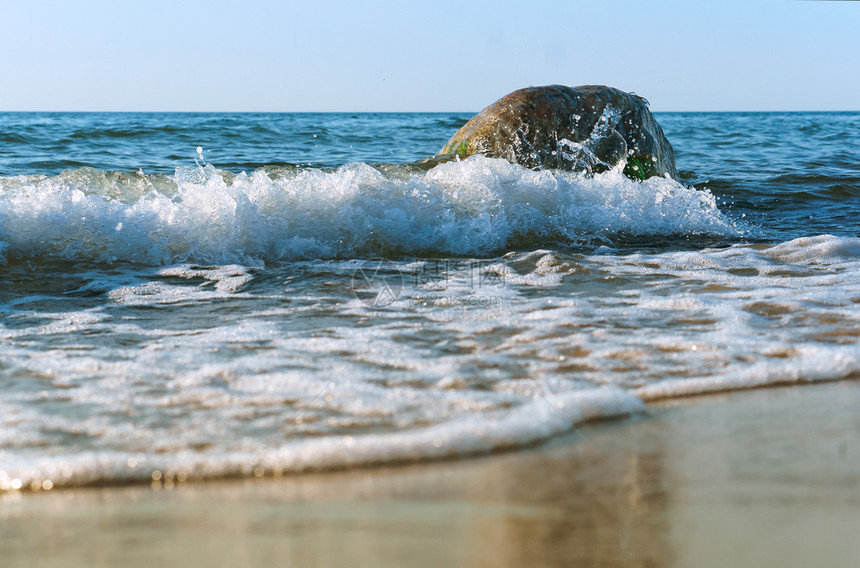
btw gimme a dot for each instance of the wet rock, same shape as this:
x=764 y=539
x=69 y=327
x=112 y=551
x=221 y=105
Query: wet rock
x=590 y=129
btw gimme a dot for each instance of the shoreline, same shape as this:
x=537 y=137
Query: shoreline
x=749 y=478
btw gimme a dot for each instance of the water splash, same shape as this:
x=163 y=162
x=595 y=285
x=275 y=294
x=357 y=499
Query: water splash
x=203 y=214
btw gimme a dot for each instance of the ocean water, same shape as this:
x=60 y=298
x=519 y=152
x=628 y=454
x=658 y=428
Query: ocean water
x=187 y=296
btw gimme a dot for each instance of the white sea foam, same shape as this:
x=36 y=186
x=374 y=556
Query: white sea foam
x=807 y=365
x=429 y=379
x=205 y=215
x=525 y=425
x=237 y=368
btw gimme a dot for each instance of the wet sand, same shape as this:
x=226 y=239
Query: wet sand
x=758 y=478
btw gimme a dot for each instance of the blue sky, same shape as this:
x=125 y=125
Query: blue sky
x=326 y=55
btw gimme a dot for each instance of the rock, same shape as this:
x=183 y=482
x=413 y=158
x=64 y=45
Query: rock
x=589 y=129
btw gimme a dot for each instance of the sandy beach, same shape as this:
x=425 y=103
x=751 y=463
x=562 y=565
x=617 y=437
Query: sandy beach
x=759 y=478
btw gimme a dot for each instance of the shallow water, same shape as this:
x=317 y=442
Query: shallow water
x=750 y=479
x=187 y=296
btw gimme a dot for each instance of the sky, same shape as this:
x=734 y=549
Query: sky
x=399 y=56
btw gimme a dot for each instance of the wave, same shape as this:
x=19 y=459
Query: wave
x=202 y=214
x=546 y=417
x=527 y=424
x=733 y=318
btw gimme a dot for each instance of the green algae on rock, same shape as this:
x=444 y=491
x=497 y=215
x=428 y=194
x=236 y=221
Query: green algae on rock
x=591 y=129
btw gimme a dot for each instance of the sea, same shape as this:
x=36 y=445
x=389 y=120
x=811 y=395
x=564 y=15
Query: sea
x=196 y=296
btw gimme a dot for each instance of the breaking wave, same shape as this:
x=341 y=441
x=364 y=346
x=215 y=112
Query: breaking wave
x=205 y=215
